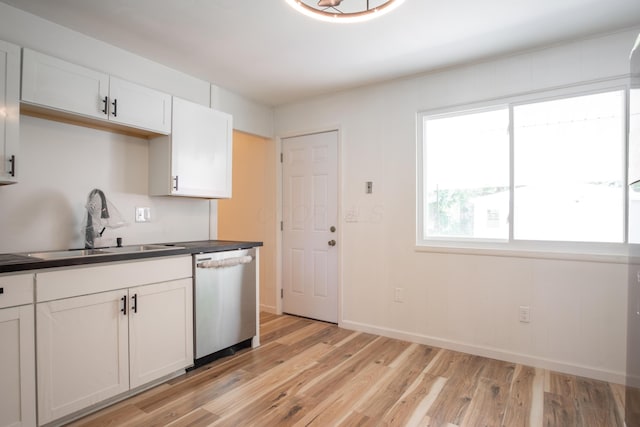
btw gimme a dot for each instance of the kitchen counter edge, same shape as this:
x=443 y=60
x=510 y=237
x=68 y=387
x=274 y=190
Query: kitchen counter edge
x=182 y=248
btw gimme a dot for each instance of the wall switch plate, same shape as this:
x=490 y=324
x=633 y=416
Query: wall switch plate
x=369 y=187
x=398 y=295
x=524 y=314
x=143 y=214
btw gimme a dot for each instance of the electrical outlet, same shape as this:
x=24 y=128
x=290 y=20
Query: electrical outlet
x=524 y=314
x=398 y=295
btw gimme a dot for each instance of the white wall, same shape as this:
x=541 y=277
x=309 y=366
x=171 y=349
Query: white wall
x=60 y=163
x=251 y=213
x=27 y=30
x=464 y=301
x=248 y=116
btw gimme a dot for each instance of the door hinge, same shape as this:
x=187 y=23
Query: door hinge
x=281 y=157
x=281 y=225
x=281 y=293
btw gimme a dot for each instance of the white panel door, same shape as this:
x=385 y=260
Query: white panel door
x=161 y=330
x=82 y=354
x=17 y=367
x=310 y=220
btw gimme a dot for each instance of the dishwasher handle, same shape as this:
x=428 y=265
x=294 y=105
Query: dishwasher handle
x=227 y=262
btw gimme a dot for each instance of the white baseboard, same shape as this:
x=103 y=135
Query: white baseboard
x=493 y=353
x=268 y=309
x=633 y=381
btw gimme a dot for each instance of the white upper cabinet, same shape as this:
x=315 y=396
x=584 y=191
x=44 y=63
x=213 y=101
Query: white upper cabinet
x=9 y=111
x=60 y=85
x=195 y=160
x=74 y=90
x=139 y=106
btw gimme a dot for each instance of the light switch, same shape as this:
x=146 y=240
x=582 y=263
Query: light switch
x=369 y=187
x=143 y=214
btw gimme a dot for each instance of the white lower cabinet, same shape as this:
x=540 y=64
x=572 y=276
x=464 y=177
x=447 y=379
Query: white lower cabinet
x=82 y=353
x=17 y=352
x=17 y=370
x=160 y=330
x=97 y=346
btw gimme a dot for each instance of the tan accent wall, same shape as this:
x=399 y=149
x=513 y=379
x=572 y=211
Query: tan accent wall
x=251 y=212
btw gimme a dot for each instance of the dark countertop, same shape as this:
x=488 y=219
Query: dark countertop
x=19 y=262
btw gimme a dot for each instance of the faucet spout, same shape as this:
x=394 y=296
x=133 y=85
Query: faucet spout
x=92 y=209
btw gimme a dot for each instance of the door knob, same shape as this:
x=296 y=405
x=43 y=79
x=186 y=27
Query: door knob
x=332 y=229
x=332 y=242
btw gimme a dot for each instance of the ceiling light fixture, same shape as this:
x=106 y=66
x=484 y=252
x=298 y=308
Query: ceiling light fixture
x=351 y=11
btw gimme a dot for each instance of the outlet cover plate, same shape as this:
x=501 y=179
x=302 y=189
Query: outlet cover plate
x=524 y=314
x=143 y=214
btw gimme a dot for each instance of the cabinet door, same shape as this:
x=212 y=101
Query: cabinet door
x=57 y=84
x=9 y=111
x=18 y=369
x=201 y=151
x=161 y=330
x=82 y=352
x=139 y=106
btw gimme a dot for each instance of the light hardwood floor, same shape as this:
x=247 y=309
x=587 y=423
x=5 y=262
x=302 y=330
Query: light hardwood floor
x=313 y=373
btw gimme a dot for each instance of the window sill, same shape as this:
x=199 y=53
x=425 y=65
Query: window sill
x=617 y=255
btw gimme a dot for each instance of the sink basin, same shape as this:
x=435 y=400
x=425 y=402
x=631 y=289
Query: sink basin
x=66 y=254
x=78 y=253
x=138 y=248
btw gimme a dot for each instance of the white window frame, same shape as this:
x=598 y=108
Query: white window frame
x=606 y=252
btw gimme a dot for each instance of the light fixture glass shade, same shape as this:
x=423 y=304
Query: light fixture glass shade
x=344 y=10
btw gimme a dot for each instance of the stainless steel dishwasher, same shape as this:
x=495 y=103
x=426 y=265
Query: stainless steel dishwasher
x=224 y=301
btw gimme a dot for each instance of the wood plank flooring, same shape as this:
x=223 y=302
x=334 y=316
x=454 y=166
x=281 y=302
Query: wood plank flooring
x=309 y=373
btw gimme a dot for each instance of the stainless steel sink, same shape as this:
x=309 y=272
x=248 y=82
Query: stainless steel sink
x=78 y=253
x=139 y=248
x=66 y=254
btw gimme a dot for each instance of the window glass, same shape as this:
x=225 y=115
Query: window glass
x=466 y=175
x=568 y=169
x=634 y=165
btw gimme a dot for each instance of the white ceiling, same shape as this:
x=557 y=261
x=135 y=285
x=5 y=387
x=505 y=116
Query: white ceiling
x=266 y=51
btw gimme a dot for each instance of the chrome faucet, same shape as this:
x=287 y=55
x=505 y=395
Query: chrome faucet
x=90 y=232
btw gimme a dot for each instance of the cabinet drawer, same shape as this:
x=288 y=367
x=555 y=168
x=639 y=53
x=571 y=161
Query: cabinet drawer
x=16 y=290
x=78 y=281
